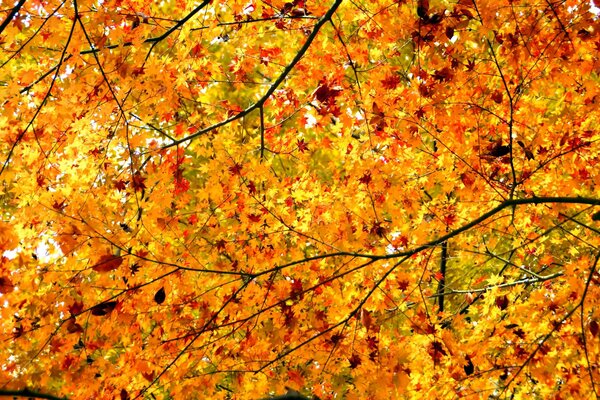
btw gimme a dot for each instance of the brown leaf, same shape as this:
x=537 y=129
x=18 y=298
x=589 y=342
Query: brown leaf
x=528 y=152
x=107 y=263
x=469 y=367
x=103 y=308
x=160 y=296
x=594 y=328
x=499 y=151
x=423 y=9
x=443 y=75
x=355 y=361
x=73 y=327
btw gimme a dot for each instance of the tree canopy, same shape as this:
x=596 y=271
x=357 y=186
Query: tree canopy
x=352 y=199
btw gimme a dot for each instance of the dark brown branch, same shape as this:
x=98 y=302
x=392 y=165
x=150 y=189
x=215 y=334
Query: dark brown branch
x=275 y=84
x=180 y=23
x=63 y=58
x=29 y=394
x=568 y=315
x=11 y=15
x=448 y=236
x=262 y=133
x=442 y=282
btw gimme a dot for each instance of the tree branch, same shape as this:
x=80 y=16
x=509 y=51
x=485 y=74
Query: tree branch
x=275 y=84
x=11 y=15
x=29 y=394
x=442 y=283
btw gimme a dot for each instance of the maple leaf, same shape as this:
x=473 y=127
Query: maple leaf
x=468 y=367
x=251 y=188
x=354 y=361
x=326 y=93
x=134 y=268
x=499 y=150
x=138 y=182
x=73 y=327
x=297 y=291
x=502 y=302
x=235 y=169
x=103 y=309
x=366 y=178
x=391 y=82
x=160 y=296
x=443 y=75
x=594 y=327
x=6 y=286
x=302 y=146
x=107 y=263
x=436 y=351
x=254 y=217
x=497 y=96
x=306 y=174
x=76 y=308
x=59 y=206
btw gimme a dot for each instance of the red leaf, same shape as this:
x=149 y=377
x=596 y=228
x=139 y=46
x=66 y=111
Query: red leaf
x=436 y=351
x=107 y=263
x=76 y=308
x=497 y=97
x=297 y=289
x=251 y=188
x=182 y=185
x=254 y=217
x=502 y=302
x=467 y=179
x=6 y=286
x=120 y=185
x=295 y=377
x=366 y=178
x=138 y=182
x=391 y=82
x=59 y=206
x=326 y=93
x=450 y=219
x=355 y=361
x=302 y=146
x=235 y=169
x=196 y=51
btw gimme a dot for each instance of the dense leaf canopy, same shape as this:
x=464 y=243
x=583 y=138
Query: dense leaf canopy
x=352 y=199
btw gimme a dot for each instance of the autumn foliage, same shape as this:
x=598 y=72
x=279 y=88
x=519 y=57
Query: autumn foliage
x=352 y=199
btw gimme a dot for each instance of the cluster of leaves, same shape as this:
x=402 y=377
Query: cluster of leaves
x=359 y=200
